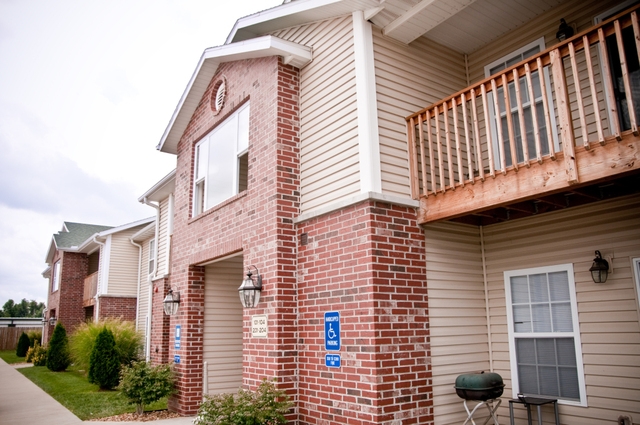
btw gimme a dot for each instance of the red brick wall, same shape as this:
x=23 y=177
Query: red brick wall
x=367 y=262
x=67 y=300
x=257 y=222
x=159 y=352
x=117 y=307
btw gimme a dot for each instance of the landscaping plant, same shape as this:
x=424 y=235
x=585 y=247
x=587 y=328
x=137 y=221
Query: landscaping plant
x=34 y=336
x=128 y=341
x=104 y=363
x=23 y=345
x=142 y=384
x=37 y=355
x=58 y=354
x=265 y=406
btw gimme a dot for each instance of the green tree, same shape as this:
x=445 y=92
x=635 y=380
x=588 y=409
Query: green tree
x=104 y=364
x=22 y=309
x=58 y=354
x=23 y=345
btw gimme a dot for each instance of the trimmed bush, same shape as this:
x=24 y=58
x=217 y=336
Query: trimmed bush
x=142 y=384
x=34 y=336
x=37 y=355
x=128 y=341
x=266 y=406
x=104 y=364
x=58 y=358
x=23 y=345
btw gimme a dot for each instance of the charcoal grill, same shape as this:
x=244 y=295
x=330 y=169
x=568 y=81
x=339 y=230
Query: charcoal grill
x=484 y=388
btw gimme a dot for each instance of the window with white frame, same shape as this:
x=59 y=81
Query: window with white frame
x=530 y=101
x=636 y=272
x=152 y=255
x=55 y=276
x=221 y=162
x=544 y=336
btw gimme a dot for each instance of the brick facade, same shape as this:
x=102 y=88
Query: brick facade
x=67 y=300
x=366 y=261
x=159 y=353
x=117 y=307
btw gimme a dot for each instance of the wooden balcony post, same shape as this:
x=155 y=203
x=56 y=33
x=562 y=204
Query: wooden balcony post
x=564 y=116
x=413 y=158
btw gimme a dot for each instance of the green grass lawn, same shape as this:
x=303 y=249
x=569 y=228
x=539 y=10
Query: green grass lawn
x=10 y=357
x=85 y=400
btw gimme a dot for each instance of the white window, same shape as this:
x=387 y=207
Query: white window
x=544 y=337
x=528 y=102
x=55 y=277
x=221 y=162
x=152 y=255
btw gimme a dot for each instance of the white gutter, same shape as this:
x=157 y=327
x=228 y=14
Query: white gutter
x=146 y=331
x=100 y=271
x=157 y=233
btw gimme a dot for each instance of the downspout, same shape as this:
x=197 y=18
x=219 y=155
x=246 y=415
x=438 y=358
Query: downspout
x=100 y=271
x=486 y=298
x=146 y=348
x=157 y=231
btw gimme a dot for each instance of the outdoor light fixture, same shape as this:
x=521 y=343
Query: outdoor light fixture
x=600 y=269
x=171 y=303
x=565 y=31
x=250 y=289
x=52 y=321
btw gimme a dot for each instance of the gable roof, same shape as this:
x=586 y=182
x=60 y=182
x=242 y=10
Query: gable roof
x=73 y=234
x=260 y=47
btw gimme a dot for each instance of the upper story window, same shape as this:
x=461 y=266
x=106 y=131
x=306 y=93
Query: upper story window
x=221 y=162
x=55 y=276
x=152 y=255
x=544 y=337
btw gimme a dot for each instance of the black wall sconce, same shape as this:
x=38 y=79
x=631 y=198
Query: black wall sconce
x=600 y=269
x=171 y=303
x=250 y=289
x=565 y=31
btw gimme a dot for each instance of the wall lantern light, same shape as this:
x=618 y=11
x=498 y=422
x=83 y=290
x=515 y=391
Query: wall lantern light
x=600 y=269
x=52 y=321
x=171 y=303
x=250 y=289
x=565 y=31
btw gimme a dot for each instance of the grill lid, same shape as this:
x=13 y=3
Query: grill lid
x=479 y=386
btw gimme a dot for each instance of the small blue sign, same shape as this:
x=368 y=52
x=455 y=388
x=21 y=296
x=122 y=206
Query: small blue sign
x=178 y=330
x=176 y=359
x=332 y=360
x=332 y=331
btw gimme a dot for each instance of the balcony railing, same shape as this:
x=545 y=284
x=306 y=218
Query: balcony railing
x=90 y=289
x=552 y=110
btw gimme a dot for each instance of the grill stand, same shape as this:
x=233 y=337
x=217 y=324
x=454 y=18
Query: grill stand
x=492 y=406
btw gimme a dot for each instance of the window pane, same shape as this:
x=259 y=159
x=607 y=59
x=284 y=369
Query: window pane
x=519 y=290
x=562 y=318
x=566 y=351
x=559 y=286
x=548 y=381
x=521 y=318
x=202 y=155
x=541 y=317
x=526 y=351
x=539 y=287
x=569 y=387
x=220 y=176
x=528 y=378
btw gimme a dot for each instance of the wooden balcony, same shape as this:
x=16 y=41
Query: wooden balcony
x=556 y=130
x=90 y=289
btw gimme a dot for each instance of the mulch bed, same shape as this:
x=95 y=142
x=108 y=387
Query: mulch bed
x=146 y=417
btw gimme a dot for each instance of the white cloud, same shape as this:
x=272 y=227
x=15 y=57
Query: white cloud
x=86 y=91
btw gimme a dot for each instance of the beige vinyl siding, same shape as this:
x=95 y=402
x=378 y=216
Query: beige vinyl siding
x=143 y=296
x=123 y=264
x=164 y=240
x=608 y=313
x=223 y=325
x=408 y=78
x=329 y=162
x=457 y=313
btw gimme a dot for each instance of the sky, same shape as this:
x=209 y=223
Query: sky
x=87 y=89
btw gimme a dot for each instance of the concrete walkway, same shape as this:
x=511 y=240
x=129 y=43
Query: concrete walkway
x=23 y=403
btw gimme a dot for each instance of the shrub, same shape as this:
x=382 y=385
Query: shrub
x=267 y=405
x=142 y=384
x=34 y=336
x=128 y=341
x=37 y=355
x=104 y=364
x=58 y=354
x=23 y=345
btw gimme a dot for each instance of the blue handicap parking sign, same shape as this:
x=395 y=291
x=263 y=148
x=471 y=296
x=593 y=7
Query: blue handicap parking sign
x=332 y=331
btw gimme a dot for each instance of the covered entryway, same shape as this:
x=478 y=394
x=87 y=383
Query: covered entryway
x=223 y=326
